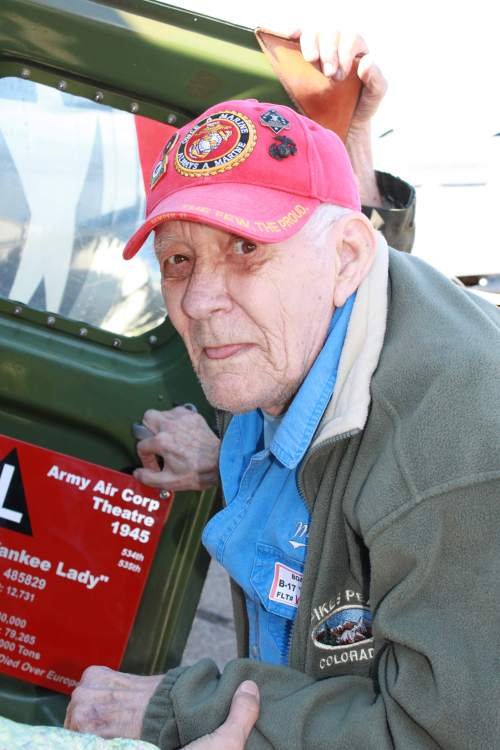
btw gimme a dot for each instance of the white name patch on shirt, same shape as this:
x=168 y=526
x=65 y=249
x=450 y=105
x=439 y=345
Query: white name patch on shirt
x=286 y=585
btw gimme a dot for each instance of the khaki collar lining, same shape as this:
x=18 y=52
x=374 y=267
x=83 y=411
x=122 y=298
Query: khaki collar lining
x=347 y=411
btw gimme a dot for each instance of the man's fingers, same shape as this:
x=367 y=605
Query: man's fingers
x=160 y=479
x=233 y=734
x=350 y=47
x=162 y=441
x=328 y=52
x=67 y=718
x=82 y=711
x=309 y=45
x=372 y=77
x=148 y=457
x=156 y=420
x=295 y=34
x=374 y=90
x=182 y=454
x=175 y=482
x=152 y=419
x=244 y=711
x=335 y=50
x=149 y=449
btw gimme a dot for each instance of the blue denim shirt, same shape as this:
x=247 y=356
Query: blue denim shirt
x=260 y=537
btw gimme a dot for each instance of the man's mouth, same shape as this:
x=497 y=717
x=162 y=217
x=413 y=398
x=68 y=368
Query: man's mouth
x=226 y=351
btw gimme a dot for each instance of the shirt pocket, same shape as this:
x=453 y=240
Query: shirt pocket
x=276 y=578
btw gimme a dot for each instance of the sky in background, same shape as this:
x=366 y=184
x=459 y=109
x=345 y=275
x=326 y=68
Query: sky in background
x=441 y=60
x=443 y=105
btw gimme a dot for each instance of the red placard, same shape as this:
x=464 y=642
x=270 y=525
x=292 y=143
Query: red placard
x=76 y=544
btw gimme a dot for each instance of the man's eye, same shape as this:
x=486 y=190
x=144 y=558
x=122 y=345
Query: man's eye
x=175 y=260
x=175 y=266
x=244 y=247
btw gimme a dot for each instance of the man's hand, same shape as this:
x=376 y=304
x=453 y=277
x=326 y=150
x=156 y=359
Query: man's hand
x=110 y=704
x=335 y=52
x=233 y=734
x=186 y=444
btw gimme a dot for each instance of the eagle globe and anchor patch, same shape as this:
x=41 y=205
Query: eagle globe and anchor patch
x=344 y=638
x=217 y=143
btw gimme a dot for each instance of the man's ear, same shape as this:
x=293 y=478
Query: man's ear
x=355 y=248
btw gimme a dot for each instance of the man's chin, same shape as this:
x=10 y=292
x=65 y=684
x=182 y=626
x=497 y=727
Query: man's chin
x=231 y=393
x=230 y=402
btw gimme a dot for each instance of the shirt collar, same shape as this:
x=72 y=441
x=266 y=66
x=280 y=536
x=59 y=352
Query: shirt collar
x=302 y=417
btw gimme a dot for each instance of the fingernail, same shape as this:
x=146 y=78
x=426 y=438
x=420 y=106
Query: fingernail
x=310 y=55
x=339 y=75
x=249 y=687
x=328 y=69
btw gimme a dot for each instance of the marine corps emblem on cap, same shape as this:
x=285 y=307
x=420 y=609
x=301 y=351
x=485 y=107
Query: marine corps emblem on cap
x=217 y=143
x=160 y=167
x=284 y=148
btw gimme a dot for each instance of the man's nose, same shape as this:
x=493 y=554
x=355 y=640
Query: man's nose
x=206 y=293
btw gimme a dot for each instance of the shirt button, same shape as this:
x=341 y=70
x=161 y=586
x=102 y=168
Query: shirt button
x=255 y=651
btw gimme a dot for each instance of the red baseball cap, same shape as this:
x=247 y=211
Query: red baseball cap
x=253 y=169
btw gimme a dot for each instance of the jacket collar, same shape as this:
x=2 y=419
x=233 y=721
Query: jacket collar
x=347 y=411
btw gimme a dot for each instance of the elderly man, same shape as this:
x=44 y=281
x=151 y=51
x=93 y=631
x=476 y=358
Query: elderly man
x=359 y=408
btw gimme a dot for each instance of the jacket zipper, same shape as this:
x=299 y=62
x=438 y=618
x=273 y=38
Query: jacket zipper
x=300 y=487
x=287 y=640
x=316 y=449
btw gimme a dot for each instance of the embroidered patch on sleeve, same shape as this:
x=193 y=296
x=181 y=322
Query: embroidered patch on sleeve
x=286 y=585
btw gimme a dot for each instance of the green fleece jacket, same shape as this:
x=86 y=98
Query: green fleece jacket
x=403 y=484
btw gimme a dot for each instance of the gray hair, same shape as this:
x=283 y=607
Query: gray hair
x=322 y=219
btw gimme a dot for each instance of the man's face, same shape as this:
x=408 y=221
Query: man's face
x=253 y=316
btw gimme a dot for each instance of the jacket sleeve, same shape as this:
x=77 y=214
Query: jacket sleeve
x=397 y=221
x=434 y=597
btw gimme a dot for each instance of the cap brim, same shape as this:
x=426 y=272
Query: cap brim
x=258 y=213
